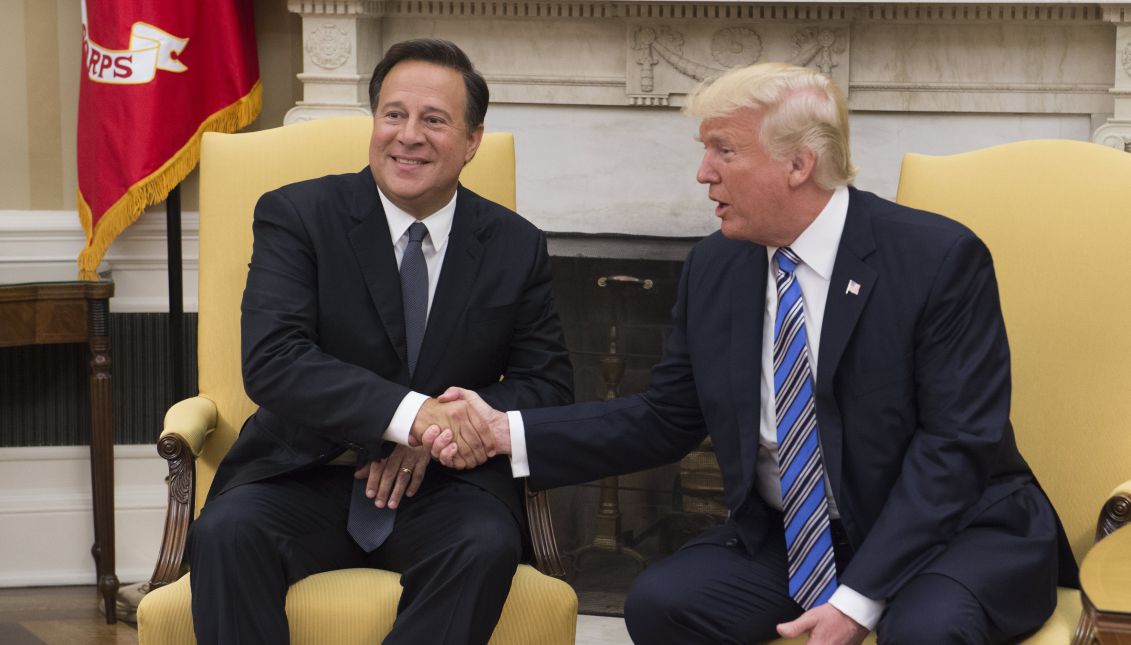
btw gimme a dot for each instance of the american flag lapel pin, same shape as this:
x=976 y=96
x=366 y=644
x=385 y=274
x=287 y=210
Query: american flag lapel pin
x=853 y=288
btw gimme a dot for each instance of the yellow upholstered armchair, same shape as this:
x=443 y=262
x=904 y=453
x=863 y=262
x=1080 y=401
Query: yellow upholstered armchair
x=340 y=607
x=1056 y=216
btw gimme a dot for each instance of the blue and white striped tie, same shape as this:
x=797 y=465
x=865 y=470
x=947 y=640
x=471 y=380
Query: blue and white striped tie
x=812 y=566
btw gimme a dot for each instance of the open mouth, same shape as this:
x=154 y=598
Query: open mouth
x=409 y=162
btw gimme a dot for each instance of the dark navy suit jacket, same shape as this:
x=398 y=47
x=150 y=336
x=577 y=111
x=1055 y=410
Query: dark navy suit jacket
x=913 y=395
x=323 y=328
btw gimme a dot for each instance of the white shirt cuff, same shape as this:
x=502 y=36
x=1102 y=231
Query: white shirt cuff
x=400 y=427
x=520 y=466
x=865 y=611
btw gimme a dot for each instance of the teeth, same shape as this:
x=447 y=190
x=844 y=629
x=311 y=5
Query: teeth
x=408 y=161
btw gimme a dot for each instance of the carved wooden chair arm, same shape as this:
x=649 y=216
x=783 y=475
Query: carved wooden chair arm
x=1116 y=511
x=546 y=558
x=187 y=424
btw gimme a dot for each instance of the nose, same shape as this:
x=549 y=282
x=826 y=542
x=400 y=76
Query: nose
x=706 y=173
x=411 y=131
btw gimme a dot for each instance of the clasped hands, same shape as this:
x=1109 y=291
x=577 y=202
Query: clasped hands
x=444 y=445
x=455 y=429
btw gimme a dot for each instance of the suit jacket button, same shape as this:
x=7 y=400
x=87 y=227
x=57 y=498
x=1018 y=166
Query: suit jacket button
x=732 y=542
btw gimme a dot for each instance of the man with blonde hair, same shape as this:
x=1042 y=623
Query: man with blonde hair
x=848 y=358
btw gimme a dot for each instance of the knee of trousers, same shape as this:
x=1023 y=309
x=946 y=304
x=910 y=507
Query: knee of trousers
x=490 y=555
x=220 y=537
x=929 y=628
x=654 y=605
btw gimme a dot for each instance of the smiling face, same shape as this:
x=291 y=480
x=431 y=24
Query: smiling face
x=420 y=137
x=754 y=192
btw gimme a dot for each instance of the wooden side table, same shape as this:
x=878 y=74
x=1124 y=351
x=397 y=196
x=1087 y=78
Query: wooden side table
x=58 y=309
x=1105 y=585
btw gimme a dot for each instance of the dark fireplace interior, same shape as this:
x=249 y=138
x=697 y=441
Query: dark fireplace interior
x=616 y=314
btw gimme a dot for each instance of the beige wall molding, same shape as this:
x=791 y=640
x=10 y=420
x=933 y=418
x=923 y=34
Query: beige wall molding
x=665 y=61
x=341 y=44
x=1116 y=132
x=138 y=259
x=328 y=46
x=801 y=11
x=46 y=494
x=1038 y=57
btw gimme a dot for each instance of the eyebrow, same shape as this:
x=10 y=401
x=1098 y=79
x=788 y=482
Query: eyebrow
x=427 y=108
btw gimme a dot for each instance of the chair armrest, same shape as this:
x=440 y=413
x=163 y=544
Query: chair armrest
x=187 y=424
x=192 y=420
x=1116 y=511
x=546 y=558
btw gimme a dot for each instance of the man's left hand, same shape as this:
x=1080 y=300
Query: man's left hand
x=825 y=626
x=399 y=474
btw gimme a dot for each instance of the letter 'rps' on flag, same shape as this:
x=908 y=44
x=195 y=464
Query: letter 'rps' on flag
x=155 y=77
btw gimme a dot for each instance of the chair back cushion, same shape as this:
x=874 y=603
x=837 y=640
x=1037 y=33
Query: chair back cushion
x=235 y=170
x=1056 y=216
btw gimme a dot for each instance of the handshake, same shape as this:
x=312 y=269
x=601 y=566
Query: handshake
x=460 y=430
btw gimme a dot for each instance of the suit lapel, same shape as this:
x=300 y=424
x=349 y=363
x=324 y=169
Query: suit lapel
x=457 y=276
x=842 y=311
x=373 y=248
x=748 y=298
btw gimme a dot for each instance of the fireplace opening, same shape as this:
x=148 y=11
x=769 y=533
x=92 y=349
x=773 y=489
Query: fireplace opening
x=616 y=314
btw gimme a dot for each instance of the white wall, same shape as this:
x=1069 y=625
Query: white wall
x=46 y=523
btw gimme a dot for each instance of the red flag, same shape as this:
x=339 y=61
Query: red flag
x=155 y=77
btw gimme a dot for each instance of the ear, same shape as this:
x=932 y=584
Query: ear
x=473 y=141
x=801 y=167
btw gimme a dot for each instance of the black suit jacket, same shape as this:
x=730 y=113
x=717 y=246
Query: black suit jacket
x=323 y=329
x=913 y=395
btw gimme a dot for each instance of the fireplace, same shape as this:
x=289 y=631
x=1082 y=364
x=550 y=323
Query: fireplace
x=616 y=314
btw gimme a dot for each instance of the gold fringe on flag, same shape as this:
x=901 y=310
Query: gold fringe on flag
x=156 y=186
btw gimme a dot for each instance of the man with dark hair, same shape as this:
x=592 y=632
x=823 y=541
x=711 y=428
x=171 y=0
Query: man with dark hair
x=367 y=295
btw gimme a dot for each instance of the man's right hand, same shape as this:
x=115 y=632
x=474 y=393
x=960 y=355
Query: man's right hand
x=470 y=435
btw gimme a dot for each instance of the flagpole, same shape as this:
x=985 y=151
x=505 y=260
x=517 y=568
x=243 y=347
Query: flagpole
x=176 y=296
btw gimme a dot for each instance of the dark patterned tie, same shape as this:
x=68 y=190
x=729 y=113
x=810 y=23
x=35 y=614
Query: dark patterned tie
x=812 y=566
x=369 y=525
x=414 y=292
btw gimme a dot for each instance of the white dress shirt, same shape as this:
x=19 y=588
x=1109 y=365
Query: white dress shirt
x=817 y=247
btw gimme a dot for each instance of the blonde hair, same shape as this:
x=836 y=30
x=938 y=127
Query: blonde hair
x=802 y=109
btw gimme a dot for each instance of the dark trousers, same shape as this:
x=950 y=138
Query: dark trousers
x=455 y=546
x=714 y=592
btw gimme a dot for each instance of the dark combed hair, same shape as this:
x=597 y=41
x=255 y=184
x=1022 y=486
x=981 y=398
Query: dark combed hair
x=438 y=52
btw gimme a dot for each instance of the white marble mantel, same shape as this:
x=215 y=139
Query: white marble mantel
x=592 y=89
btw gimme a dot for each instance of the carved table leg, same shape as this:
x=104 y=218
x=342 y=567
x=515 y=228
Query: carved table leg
x=102 y=455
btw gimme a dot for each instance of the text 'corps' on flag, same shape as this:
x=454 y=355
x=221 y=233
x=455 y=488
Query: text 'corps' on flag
x=155 y=77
